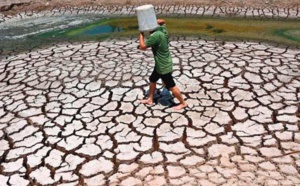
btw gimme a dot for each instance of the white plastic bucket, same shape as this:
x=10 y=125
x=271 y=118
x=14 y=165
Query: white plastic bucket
x=146 y=18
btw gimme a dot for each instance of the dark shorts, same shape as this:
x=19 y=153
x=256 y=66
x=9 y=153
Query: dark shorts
x=166 y=78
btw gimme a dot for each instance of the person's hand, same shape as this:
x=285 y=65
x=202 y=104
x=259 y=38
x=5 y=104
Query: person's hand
x=161 y=22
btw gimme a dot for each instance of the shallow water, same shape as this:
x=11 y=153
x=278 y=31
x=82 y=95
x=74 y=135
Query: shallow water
x=102 y=29
x=28 y=27
x=26 y=34
x=16 y=35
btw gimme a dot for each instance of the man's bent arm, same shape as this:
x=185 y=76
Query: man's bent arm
x=142 y=42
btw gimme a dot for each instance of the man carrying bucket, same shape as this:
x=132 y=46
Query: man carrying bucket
x=159 y=42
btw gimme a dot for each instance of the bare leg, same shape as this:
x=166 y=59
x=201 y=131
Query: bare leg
x=176 y=93
x=149 y=101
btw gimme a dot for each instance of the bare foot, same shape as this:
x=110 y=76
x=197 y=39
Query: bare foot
x=180 y=106
x=146 y=101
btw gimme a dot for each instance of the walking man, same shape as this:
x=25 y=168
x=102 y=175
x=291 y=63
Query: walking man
x=159 y=43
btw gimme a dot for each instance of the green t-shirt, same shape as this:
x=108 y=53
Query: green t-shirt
x=159 y=42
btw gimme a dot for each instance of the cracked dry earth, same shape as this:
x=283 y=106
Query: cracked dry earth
x=70 y=116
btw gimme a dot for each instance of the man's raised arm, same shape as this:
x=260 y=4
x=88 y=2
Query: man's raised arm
x=142 y=42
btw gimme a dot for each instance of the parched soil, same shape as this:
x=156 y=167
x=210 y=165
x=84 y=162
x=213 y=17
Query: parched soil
x=16 y=6
x=71 y=115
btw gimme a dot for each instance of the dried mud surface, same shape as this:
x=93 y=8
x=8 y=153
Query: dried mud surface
x=16 y=6
x=70 y=116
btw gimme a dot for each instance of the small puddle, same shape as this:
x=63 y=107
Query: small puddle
x=291 y=34
x=102 y=29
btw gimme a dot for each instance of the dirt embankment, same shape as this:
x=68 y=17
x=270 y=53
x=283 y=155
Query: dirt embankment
x=15 y=6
